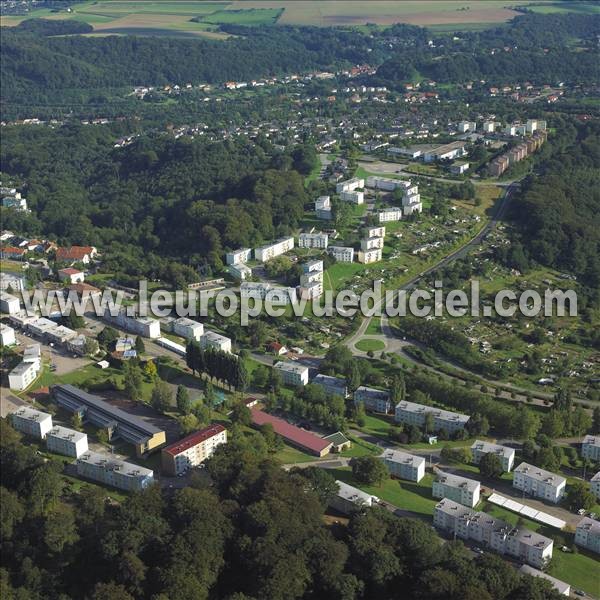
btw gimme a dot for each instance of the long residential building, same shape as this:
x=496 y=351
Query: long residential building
x=595 y=485
x=342 y=253
x=334 y=386
x=144 y=326
x=239 y=256
x=292 y=373
x=354 y=197
x=32 y=422
x=373 y=399
x=459 y=489
x=412 y=413
x=317 y=239
x=276 y=248
x=211 y=340
x=267 y=292
x=403 y=465
x=462 y=522
x=192 y=450
x=68 y=442
x=388 y=215
x=560 y=586
x=539 y=483
x=350 y=185
x=350 y=499
x=113 y=472
x=188 y=328
x=132 y=429
x=590 y=447
x=506 y=455
x=587 y=534
x=366 y=257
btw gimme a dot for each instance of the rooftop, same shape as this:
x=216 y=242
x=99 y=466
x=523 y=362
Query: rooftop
x=403 y=457
x=64 y=433
x=193 y=439
x=560 y=586
x=592 y=440
x=291 y=367
x=540 y=474
x=353 y=494
x=590 y=525
x=489 y=448
x=109 y=463
x=446 y=415
x=457 y=481
x=372 y=392
x=27 y=412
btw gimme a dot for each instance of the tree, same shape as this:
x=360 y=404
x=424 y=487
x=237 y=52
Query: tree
x=184 y=402
x=151 y=370
x=596 y=421
x=490 y=466
x=189 y=423
x=360 y=416
x=209 y=395
x=107 y=337
x=398 y=389
x=91 y=346
x=319 y=481
x=162 y=396
x=77 y=421
x=354 y=377
x=133 y=381
x=139 y=345
x=110 y=591
x=369 y=470
x=60 y=530
x=273 y=441
x=580 y=496
x=241 y=414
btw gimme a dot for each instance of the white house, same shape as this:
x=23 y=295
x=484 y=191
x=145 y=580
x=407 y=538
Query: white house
x=188 y=328
x=590 y=448
x=71 y=275
x=373 y=399
x=269 y=251
x=292 y=373
x=241 y=255
x=31 y=421
x=587 y=534
x=342 y=253
x=403 y=465
x=69 y=442
x=539 y=483
x=7 y=335
x=9 y=304
x=23 y=375
x=506 y=455
x=460 y=489
x=313 y=240
x=215 y=341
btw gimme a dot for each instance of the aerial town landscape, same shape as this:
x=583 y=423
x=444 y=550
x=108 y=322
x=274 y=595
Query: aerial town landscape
x=299 y=300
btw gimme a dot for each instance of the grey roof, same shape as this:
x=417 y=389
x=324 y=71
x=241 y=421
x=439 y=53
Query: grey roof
x=590 y=525
x=446 y=415
x=110 y=463
x=596 y=477
x=560 y=586
x=64 y=433
x=372 y=392
x=540 y=474
x=32 y=414
x=457 y=481
x=353 y=494
x=592 y=440
x=330 y=381
x=403 y=457
x=489 y=448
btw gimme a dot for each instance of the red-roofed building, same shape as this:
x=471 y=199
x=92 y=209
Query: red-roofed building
x=71 y=275
x=12 y=253
x=304 y=440
x=277 y=348
x=76 y=254
x=192 y=450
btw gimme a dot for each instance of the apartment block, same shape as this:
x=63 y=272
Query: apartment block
x=240 y=271
x=389 y=215
x=350 y=499
x=312 y=266
x=459 y=489
x=144 y=326
x=68 y=442
x=377 y=231
x=560 y=586
x=350 y=185
x=367 y=257
x=333 y=386
x=267 y=292
x=465 y=523
x=188 y=328
x=215 y=341
x=313 y=240
x=7 y=335
x=9 y=304
x=342 y=253
x=595 y=485
x=590 y=448
x=354 y=197
x=465 y=126
x=539 y=483
x=311 y=277
x=412 y=413
x=23 y=375
x=489 y=126
x=241 y=255
x=323 y=208
x=387 y=184
x=192 y=450
x=269 y=251
x=373 y=399
x=292 y=373
x=587 y=534
x=311 y=290
x=506 y=455
x=113 y=472
x=403 y=465
x=31 y=422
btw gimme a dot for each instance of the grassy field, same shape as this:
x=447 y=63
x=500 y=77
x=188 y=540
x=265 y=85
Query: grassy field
x=370 y=345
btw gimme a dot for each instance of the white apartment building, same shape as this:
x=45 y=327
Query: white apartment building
x=350 y=499
x=408 y=152
x=62 y=440
x=292 y=373
x=504 y=453
x=376 y=231
x=192 y=450
x=311 y=291
x=240 y=271
x=114 y=472
x=412 y=413
x=587 y=534
x=539 y=483
x=323 y=208
x=269 y=251
x=371 y=243
x=465 y=126
x=387 y=184
x=489 y=126
x=241 y=255
x=59 y=334
x=267 y=292
x=41 y=326
x=373 y=399
x=313 y=240
x=460 y=489
x=9 y=304
x=312 y=266
x=23 y=375
x=590 y=448
x=350 y=185
x=188 y=328
x=7 y=335
x=333 y=386
x=403 y=465
x=412 y=204
x=367 y=257
x=32 y=422
x=389 y=215
x=212 y=340
x=342 y=253
x=465 y=523
x=355 y=197
x=595 y=485
x=311 y=277
x=144 y=326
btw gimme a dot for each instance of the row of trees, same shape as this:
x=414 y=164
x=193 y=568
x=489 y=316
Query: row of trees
x=221 y=366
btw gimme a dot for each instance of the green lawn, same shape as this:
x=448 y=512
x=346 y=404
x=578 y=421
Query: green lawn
x=377 y=425
x=251 y=16
x=580 y=570
x=341 y=272
x=360 y=448
x=370 y=345
x=374 y=326
x=291 y=455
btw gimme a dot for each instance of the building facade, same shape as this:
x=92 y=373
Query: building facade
x=587 y=534
x=113 y=472
x=236 y=257
x=539 y=483
x=313 y=240
x=506 y=455
x=373 y=399
x=31 y=422
x=403 y=465
x=269 y=251
x=292 y=373
x=590 y=448
x=211 y=340
x=412 y=413
x=68 y=442
x=333 y=386
x=459 y=489
x=342 y=253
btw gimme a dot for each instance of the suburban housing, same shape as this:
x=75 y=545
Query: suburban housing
x=504 y=453
x=415 y=414
x=459 y=489
x=114 y=472
x=403 y=465
x=373 y=399
x=539 y=483
x=31 y=422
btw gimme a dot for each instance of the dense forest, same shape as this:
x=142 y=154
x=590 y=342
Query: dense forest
x=255 y=532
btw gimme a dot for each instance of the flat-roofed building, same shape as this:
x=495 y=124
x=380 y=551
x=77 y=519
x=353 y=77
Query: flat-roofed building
x=334 y=386
x=595 y=485
x=350 y=185
x=587 y=534
x=465 y=523
x=506 y=455
x=560 y=586
x=241 y=255
x=412 y=413
x=387 y=184
x=372 y=243
x=68 y=442
x=95 y=410
x=32 y=422
x=373 y=399
x=323 y=208
x=188 y=328
x=460 y=489
x=342 y=253
x=367 y=257
x=60 y=334
x=445 y=152
x=9 y=304
x=192 y=450
x=292 y=373
x=276 y=248
x=403 y=465
x=41 y=326
x=539 y=483
x=311 y=290
x=354 y=197
x=312 y=266
x=23 y=375
x=267 y=292
x=215 y=341
x=350 y=499
x=388 y=215
x=113 y=472
x=240 y=271
x=376 y=231
x=316 y=239
x=144 y=326
x=590 y=447
x=7 y=335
